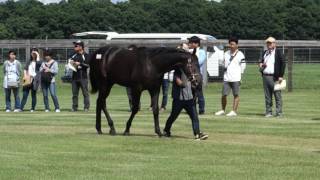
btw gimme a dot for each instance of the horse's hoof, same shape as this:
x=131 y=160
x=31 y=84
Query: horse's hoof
x=99 y=132
x=126 y=133
x=112 y=132
x=159 y=134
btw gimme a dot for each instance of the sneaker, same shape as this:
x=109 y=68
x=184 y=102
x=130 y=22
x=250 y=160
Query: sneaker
x=231 y=113
x=8 y=110
x=74 y=110
x=279 y=115
x=86 y=110
x=58 y=110
x=201 y=136
x=47 y=110
x=162 y=109
x=268 y=115
x=32 y=110
x=17 y=110
x=220 y=113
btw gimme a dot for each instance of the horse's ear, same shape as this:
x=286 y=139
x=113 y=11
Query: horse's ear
x=194 y=51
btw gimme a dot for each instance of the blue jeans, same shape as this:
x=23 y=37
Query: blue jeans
x=165 y=88
x=189 y=106
x=7 y=91
x=52 y=88
x=201 y=101
x=25 y=97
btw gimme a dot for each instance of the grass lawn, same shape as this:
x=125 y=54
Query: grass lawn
x=65 y=145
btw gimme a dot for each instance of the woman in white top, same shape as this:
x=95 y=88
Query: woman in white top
x=11 y=81
x=31 y=71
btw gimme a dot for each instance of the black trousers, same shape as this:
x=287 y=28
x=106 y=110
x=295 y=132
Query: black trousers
x=76 y=85
x=189 y=106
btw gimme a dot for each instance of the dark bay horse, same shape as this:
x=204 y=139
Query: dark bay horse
x=140 y=69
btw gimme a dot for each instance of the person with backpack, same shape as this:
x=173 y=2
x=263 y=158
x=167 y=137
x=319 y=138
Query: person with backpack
x=11 y=81
x=49 y=70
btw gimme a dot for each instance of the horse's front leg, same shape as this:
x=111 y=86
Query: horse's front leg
x=101 y=105
x=155 y=108
x=136 y=94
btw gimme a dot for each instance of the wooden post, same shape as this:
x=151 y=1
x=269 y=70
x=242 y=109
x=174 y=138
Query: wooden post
x=290 y=65
x=28 y=48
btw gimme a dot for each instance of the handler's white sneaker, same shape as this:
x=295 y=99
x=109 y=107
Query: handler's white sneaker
x=220 y=113
x=58 y=110
x=231 y=113
x=8 y=110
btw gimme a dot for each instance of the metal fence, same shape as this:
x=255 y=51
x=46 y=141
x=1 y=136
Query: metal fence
x=63 y=51
x=300 y=55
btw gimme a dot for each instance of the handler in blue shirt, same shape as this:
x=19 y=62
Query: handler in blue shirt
x=183 y=99
x=194 y=43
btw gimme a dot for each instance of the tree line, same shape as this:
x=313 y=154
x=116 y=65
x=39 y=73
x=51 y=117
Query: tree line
x=246 y=19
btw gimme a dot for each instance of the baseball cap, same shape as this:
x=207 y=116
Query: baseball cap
x=79 y=42
x=271 y=39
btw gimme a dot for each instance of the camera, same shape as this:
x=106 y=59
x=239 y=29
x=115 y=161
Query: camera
x=263 y=67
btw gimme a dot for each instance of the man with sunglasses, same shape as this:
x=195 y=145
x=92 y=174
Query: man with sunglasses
x=80 y=76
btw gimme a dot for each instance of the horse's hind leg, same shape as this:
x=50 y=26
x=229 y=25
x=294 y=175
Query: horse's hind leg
x=155 y=108
x=136 y=94
x=98 y=114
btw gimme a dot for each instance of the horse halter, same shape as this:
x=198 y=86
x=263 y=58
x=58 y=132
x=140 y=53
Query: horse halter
x=193 y=73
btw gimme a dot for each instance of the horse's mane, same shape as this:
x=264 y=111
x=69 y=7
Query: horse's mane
x=151 y=52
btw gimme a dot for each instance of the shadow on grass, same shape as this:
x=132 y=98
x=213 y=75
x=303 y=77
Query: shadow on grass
x=315 y=119
x=135 y=135
x=252 y=114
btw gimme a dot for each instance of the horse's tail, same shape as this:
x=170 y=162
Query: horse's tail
x=96 y=74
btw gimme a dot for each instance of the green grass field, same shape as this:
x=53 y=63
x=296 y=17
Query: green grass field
x=65 y=145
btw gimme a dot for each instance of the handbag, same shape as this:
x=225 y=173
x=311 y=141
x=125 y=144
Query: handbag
x=278 y=86
x=27 y=81
x=46 y=77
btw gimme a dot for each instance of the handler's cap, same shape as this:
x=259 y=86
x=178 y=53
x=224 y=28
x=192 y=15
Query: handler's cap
x=79 y=42
x=194 y=39
x=271 y=40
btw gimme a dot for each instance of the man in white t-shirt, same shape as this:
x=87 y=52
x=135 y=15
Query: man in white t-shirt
x=234 y=66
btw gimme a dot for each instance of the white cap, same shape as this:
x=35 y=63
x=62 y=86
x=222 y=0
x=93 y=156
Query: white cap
x=271 y=39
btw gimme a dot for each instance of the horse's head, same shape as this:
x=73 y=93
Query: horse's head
x=192 y=69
